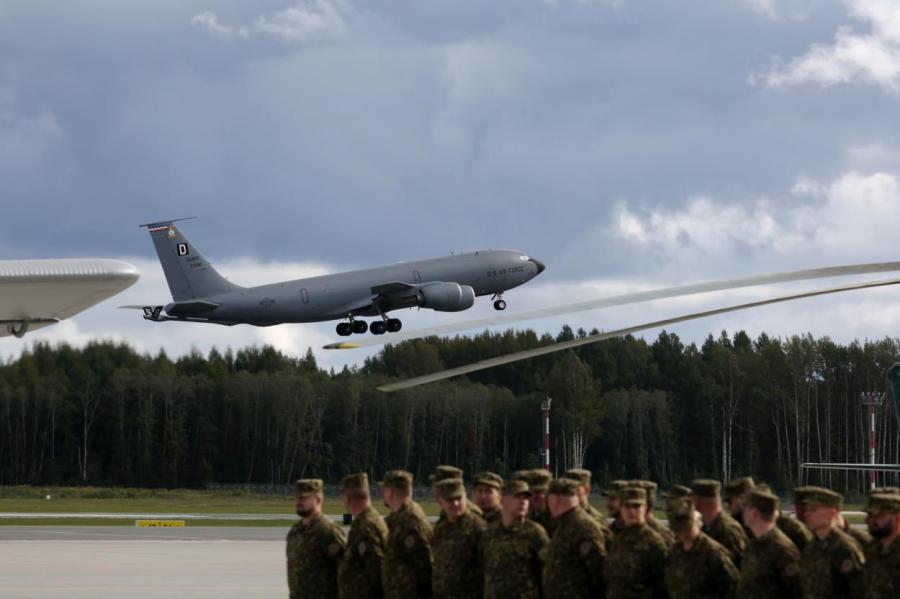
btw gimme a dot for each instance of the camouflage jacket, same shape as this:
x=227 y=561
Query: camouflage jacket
x=770 y=568
x=728 y=533
x=512 y=560
x=705 y=571
x=861 y=537
x=491 y=516
x=313 y=553
x=575 y=557
x=832 y=567
x=635 y=568
x=659 y=528
x=795 y=530
x=406 y=570
x=359 y=574
x=601 y=519
x=882 y=573
x=543 y=518
x=456 y=551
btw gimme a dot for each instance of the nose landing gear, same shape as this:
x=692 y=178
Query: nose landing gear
x=499 y=304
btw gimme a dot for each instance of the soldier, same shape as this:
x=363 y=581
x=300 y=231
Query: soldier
x=445 y=472
x=574 y=560
x=487 y=494
x=583 y=478
x=512 y=546
x=831 y=564
x=359 y=573
x=675 y=493
x=537 y=480
x=770 y=567
x=637 y=557
x=650 y=488
x=406 y=570
x=613 y=507
x=882 y=573
x=314 y=546
x=721 y=527
x=456 y=545
x=735 y=492
x=860 y=536
x=697 y=567
x=795 y=530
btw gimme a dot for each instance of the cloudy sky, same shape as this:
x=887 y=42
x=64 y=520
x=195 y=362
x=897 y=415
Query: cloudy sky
x=629 y=144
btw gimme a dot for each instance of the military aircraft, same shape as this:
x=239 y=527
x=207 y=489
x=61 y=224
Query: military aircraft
x=38 y=293
x=447 y=284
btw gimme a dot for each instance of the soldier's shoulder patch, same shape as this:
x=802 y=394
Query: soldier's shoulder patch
x=792 y=569
x=847 y=566
x=410 y=541
x=361 y=548
x=334 y=549
x=585 y=548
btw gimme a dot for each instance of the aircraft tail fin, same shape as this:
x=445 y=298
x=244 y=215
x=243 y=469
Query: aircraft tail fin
x=189 y=274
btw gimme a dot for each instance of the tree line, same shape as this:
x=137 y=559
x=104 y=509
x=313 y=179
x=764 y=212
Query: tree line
x=623 y=408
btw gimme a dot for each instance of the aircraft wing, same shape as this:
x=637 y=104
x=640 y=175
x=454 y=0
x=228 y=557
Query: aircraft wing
x=618 y=300
x=564 y=345
x=875 y=467
x=38 y=293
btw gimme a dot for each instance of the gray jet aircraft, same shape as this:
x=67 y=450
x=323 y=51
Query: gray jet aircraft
x=448 y=284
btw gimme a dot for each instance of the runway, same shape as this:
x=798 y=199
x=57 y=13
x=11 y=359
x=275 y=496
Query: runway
x=104 y=562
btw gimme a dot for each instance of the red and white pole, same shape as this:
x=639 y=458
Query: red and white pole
x=545 y=406
x=871 y=444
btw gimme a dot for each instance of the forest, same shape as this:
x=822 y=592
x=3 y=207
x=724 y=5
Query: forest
x=623 y=408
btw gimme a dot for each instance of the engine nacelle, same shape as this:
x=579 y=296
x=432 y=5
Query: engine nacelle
x=446 y=297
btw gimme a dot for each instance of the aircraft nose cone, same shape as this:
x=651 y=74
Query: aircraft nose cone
x=539 y=264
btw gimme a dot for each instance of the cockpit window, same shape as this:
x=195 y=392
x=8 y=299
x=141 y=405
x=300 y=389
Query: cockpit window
x=524 y=258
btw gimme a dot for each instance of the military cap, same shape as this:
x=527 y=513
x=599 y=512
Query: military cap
x=538 y=479
x=649 y=486
x=444 y=472
x=822 y=496
x=676 y=492
x=680 y=514
x=488 y=478
x=516 y=486
x=633 y=496
x=883 y=503
x=398 y=479
x=704 y=487
x=308 y=486
x=763 y=487
x=801 y=492
x=355 y=482
x=739 y=486
x=450 y=488
x=761 y=500
x=578 y=474
x=885 y=491
x=563 y=486
x=614 y=488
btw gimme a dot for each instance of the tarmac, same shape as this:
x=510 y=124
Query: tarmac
x=103 y=562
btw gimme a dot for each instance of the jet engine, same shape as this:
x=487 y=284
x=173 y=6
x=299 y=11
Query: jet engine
x=446 y=297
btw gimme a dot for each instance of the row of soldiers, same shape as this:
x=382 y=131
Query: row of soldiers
x=531 y=537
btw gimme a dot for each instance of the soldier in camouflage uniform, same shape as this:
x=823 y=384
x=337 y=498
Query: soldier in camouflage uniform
x=406 y=570
x=359 y=573
x=512 y=548
x=861 y=537
x=487 y=494
x=635 y=568
x=314 y=546
x=537 y=480
x=456 y=545
x=795 y=529
x=697 y=567
x=575 y=558
x=583 y=478
x=770 y=568
x=734 y=494
x=650 y=488
x=445 y=472
x=675 y=493
x=831 y=564
x=613 y=507
x=882 y=572
x=720 y=526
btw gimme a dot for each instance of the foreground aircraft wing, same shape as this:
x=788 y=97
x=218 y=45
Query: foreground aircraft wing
x=875 y=467
x=560 y=346
x=628 y=298
x=38 y=293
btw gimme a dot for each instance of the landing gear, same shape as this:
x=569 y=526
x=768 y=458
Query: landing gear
x=389 y=325
x=499 y=305
x=378 y=327
x=360 y=327
x=344 y=329
x=394 y=325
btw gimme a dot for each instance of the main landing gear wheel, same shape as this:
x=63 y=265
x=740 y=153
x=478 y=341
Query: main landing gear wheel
x=394 y=325
x=360 y=327
x=344 y=329
x=377 y=328
x=500 y=305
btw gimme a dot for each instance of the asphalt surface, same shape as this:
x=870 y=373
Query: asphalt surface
x=135 y=534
